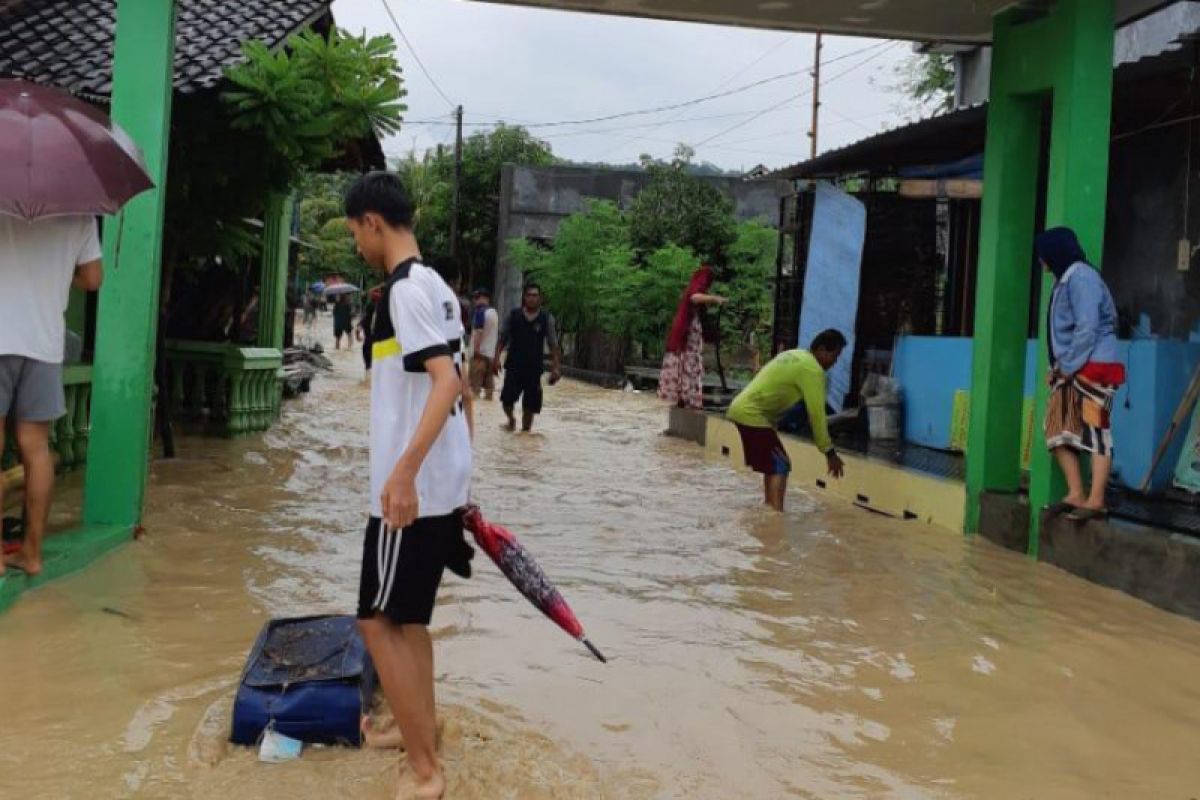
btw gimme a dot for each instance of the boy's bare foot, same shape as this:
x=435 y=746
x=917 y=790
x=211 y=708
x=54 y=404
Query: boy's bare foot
x=388 y=738
x=31 y=567
x=411 y=788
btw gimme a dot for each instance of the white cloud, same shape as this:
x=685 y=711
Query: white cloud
x=529 y=65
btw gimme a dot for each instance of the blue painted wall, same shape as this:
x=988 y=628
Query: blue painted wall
x=931 y=369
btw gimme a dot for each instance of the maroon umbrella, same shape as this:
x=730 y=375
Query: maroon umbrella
x=60 y=156
x=520 y=568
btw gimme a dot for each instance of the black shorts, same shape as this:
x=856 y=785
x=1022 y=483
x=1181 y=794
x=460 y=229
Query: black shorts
x=342 y=330
x=525 y=386
x=401 y=571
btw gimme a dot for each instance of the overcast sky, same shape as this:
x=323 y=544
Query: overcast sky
x=528 y=66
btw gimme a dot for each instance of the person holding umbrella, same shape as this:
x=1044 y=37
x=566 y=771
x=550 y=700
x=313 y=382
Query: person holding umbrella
x=82 y=166
x=420 y=467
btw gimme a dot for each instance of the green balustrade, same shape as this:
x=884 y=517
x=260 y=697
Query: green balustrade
x=69 y=435
x=227 y=389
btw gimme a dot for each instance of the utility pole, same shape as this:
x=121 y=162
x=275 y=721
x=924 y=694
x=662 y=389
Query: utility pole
x=458 y=146
x=816 y=104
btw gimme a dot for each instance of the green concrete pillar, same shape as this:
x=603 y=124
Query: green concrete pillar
x=272 y=294
x=1077 y=190
x=1010 y=172
x=128 y=311
x=1065 y=54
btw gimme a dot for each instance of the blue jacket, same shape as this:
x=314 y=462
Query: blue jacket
x=1083 y=320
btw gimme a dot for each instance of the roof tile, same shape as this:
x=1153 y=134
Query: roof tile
x=56 y=41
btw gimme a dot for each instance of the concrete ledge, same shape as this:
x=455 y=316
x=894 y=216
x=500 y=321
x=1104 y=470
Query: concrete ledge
x=63 y=554
x=1157 y=566
x=606 y=379
x=871 y=484
x=1004 y=520
x=689 y=424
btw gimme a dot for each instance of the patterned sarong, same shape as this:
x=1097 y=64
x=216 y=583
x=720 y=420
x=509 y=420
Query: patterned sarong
x=1079 y=415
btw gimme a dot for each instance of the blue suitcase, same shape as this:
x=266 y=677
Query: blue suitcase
x=309 y=678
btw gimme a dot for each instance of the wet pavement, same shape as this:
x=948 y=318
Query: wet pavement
x=826 y=653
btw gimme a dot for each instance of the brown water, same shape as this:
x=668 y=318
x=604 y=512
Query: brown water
x=823 y=654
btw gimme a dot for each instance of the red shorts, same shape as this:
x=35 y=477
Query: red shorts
x=764 y=451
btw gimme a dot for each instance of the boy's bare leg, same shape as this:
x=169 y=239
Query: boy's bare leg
x=33 y=440
x=775 y=488
x=526 y=421
x=512 y=420
x=403 y=657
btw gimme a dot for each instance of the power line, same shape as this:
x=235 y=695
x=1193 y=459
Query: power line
x=416 y=57
x=793 y=98
x=723 y=84
x=646 y=111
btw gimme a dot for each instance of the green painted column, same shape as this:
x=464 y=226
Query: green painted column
x=272 y=296
x=1065 y=54
x=1002 y=300
x=1077 y=191
x=128 y=311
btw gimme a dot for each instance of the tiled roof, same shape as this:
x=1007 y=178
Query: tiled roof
x=68 y=43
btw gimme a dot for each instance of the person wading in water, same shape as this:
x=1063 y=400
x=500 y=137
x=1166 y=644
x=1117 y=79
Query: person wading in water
x=792 y=377
x=525 y=333
x=420 y=469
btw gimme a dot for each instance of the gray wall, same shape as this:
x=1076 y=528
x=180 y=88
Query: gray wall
x=535 y=200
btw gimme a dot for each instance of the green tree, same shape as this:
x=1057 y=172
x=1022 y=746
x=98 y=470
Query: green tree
x=749 y=285
x=311 y=98
x=679 y=208
x=927 y=82
x=430 y=186
x=596 y=284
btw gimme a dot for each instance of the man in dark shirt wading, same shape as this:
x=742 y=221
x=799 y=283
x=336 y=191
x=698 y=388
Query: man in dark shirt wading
x=525 y=333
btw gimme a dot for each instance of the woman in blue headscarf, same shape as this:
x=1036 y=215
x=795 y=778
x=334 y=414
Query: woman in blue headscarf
x=1085 y=371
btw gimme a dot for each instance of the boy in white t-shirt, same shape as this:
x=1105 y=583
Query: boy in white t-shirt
x=39 y=263
x=420 y=454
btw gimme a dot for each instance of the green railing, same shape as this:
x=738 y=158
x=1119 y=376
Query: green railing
x=69 y=435
x=229 y=390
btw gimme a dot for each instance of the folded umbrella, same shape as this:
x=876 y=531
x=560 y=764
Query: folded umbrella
x=60 y=156
x=520 y=568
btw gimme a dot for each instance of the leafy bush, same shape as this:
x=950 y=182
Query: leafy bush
x=595 y=281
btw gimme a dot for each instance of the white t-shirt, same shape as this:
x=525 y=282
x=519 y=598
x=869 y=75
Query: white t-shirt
x=37 y=264
x=419 y=311
x=490 y=333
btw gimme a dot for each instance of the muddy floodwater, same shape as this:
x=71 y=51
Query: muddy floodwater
x=826 y=653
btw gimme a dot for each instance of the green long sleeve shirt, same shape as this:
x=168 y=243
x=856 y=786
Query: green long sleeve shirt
x=790 y=377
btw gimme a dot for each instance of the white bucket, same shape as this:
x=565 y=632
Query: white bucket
x=883 y=421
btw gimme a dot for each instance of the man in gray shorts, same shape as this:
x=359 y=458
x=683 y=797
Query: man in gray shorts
x=39 y=263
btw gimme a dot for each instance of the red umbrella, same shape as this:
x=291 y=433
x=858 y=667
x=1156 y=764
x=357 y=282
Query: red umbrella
x=61 y=156
x=520 y=568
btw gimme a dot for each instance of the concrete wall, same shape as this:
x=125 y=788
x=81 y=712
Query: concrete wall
x=535 y=200
x=932 y=369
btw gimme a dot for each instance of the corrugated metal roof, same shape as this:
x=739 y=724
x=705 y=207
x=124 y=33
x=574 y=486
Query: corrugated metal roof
x=68 y=43
x=950 y=137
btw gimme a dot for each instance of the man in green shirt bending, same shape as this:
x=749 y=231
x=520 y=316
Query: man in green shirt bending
x=792 y=377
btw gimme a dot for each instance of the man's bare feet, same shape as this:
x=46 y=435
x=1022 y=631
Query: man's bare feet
x=19 y=560
x=412 y=788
